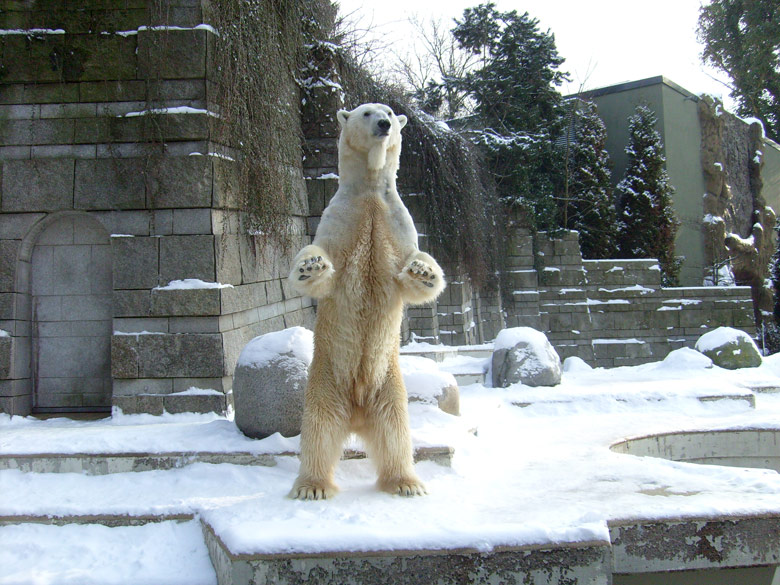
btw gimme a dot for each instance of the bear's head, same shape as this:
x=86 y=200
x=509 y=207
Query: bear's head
x=373 y=130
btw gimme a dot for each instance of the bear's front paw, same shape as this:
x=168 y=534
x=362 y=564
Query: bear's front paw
x=421 y=272
x=312 y=266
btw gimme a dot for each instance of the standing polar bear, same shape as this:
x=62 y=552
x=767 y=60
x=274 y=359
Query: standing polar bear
x=363 y=266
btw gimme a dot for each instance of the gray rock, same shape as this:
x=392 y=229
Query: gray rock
x=524 y=355
x=269 y=383
x=729 y=348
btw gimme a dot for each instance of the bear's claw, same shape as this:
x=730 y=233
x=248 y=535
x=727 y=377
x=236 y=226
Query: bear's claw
x=312 y=491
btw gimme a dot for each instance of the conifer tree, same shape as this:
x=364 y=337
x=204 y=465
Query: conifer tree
x=587 y=204
x=647 y=221
x=517 y=112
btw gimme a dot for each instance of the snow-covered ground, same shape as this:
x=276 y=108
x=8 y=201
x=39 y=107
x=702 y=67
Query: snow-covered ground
x=537 y=473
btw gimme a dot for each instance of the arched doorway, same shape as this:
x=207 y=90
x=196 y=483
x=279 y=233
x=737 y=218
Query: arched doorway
x=71 y=296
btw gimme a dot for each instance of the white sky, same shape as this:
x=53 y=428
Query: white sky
x=604 y=42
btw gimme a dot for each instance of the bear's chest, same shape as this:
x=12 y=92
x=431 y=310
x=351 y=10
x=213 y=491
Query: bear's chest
x=371 y=257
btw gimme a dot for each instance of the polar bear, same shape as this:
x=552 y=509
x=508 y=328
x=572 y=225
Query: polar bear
x=363 y=266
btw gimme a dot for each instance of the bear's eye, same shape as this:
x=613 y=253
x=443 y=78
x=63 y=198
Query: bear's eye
x=366 y=114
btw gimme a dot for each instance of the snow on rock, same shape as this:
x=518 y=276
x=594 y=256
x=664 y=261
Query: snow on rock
x=191 y=283
x=270 y=380
x=574 y=364
x=522 y=354
x=729 y=348
x=425 y=382
x=685 y=358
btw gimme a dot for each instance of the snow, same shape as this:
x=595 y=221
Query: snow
x=172 y=110
x=127 y=33
x=423 y=378
x=4 y=333
x=538 y=473
x=263 y=349
x=106 y=556
x=191 y=283
x=720 y=337
x=31 y=31
x=508 y=338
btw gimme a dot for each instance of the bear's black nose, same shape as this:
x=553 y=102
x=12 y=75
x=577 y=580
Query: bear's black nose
x=384 y=125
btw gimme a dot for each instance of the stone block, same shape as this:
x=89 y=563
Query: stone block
x=9 y=253
x=110 y=184
x=37 y=185
x=180 y=182
x=198 y=403
x=191 y=221
x=184 y=257
x=228 y=257
x=29 y=132
x=161 y=222
x=186 y=302
x=132 y=303
x=143 y=404
x=167 y=356
x=194 y=325
x=172 y=54
x=141 y=386
x=112 y=91
x=135 y=262
x=6 y=351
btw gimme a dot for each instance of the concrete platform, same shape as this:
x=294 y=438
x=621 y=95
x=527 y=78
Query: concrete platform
x=681 y=551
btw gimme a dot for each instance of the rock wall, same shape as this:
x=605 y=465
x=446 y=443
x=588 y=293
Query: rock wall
x=107 y=120
x=738 y=226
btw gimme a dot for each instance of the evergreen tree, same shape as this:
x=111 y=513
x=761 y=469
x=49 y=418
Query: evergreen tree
x=517 y=108
x=648 y=224
x=587 y=204
x=742 y=39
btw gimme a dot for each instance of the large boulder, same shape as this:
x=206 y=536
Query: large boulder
x=270 y=381
x=522 y=354
x=729 y=348
x=425 y=382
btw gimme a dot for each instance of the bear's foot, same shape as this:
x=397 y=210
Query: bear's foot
x=404 y=486
x=313 y=490
x=312 y=266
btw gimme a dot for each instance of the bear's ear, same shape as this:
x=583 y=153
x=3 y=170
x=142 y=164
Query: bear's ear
x=342 y=116
x=401 y=121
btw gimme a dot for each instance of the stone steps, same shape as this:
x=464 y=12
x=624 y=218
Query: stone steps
x=107 y=463
x=745 y=549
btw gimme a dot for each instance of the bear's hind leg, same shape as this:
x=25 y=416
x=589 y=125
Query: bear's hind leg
x=323 y=432
x=388 y=438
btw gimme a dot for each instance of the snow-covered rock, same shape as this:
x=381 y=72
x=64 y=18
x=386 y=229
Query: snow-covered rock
x=685 y=358
x=522 y=354
x=269 y=383
x=729 y=348
x=425 y=382
x=575 y=364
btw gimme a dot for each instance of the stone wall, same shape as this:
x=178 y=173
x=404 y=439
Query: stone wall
x=113 y=187
x=612 y=312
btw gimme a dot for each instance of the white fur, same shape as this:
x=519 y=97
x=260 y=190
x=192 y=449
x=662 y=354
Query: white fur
x=363 y=265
